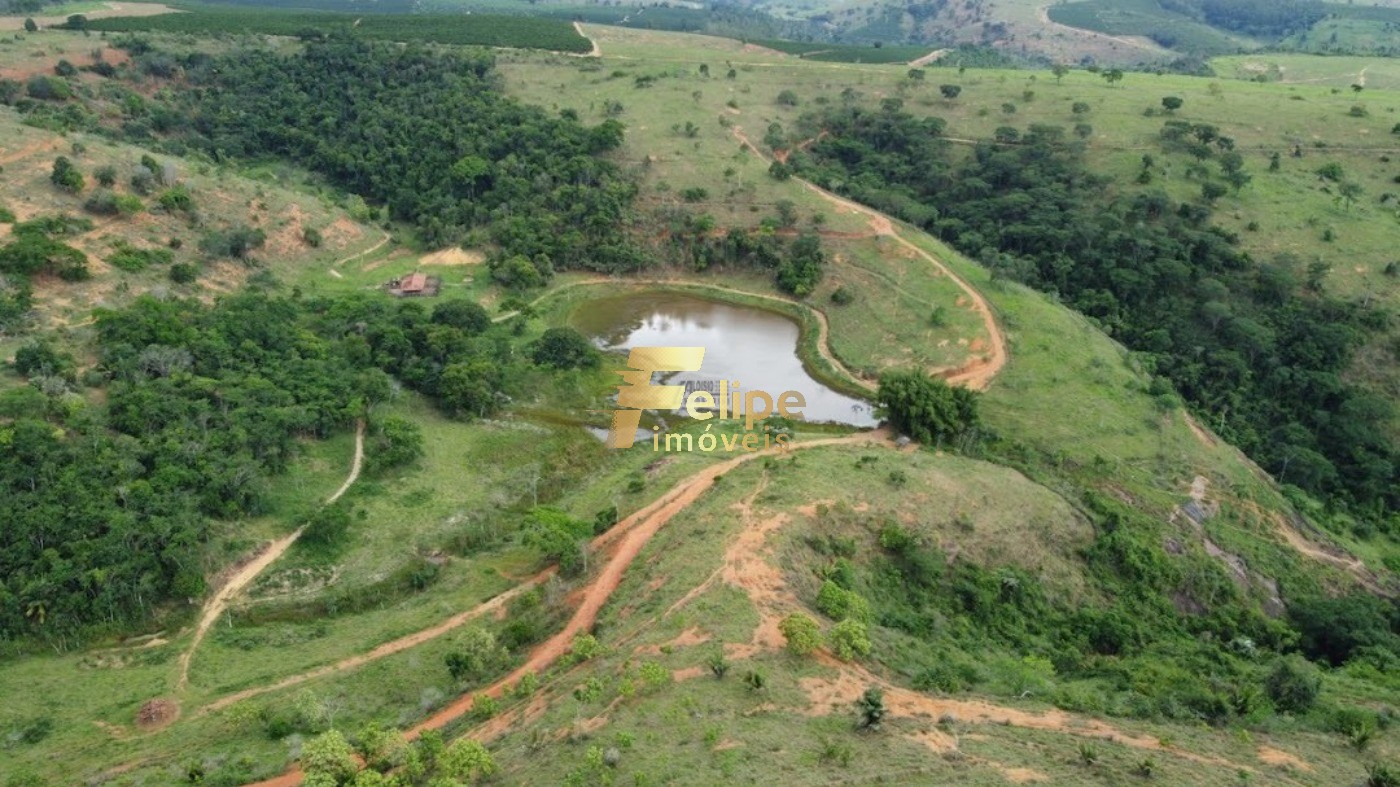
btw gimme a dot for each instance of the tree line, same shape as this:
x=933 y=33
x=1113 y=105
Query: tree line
x=428 y=134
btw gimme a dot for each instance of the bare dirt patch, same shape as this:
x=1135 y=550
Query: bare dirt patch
x=157 y=713
x=1271 y=756
x=453 y=256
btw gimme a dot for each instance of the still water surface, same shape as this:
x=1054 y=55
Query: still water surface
x=756 y=347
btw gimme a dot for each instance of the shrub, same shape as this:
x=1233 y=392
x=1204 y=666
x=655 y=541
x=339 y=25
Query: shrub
x=476 y=656
x=327 y=527
x=801 y=634
x=755 y=680
x=838 y=603
x=849 y=640
x=66 y=176
x=718 y=664
x=870 y=709
x=786 y=98
x=235 y=242
x=183 y=273
x=312 y=237
x=178 y=199
x=129 y=258
x=1293 y=684
x=842 y=296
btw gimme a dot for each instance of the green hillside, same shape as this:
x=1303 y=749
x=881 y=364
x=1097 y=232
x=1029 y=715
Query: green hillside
x=273 y=525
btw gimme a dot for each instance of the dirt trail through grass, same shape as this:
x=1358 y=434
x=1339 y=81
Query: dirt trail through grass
x=596 y=51
x=929 y=58
x=1043 y=16
x=372 y=249
x=977 y=373
x=214 y=608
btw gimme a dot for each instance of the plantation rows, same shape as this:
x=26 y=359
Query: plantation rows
x=474 y=29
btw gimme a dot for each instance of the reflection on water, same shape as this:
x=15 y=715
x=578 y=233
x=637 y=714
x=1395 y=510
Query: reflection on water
x=755 y=347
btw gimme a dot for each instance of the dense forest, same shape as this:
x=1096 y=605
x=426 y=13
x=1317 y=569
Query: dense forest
x=1256 y=352
x=106 y=507
x=427 y=134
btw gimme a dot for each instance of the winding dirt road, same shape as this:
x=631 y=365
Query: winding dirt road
x=976 y=374
x=216 y=605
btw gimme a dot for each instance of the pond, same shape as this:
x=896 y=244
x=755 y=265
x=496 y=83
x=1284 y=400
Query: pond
x=758 y=348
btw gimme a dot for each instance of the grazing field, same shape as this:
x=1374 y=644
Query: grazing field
x=1333 y=71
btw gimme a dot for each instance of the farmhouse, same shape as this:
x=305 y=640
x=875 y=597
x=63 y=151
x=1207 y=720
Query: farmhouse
x=414 y=285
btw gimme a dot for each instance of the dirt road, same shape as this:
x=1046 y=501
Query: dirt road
x=596 y=51
x=926 y=59
x=215 y=606
x=977 y=374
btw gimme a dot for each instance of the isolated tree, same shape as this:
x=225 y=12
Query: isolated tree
x=1059 y=70
x=801 y=634
x=705 y=70
x=1113 y=75
x=1331 y=171
x=30 y=27
x=476 y=655
x=1348 y=192
x=564 y=348
x=1171 y=103
x=787 y=98
x=950 y=92
x=916 y=74
x=66 y=176
x=1275 y=161
x=1080 y=108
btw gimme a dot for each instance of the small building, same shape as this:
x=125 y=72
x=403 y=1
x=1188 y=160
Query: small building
x=415 y=285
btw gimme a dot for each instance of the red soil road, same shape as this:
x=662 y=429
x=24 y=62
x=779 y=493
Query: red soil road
x=632 y=534
x=977 y=373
